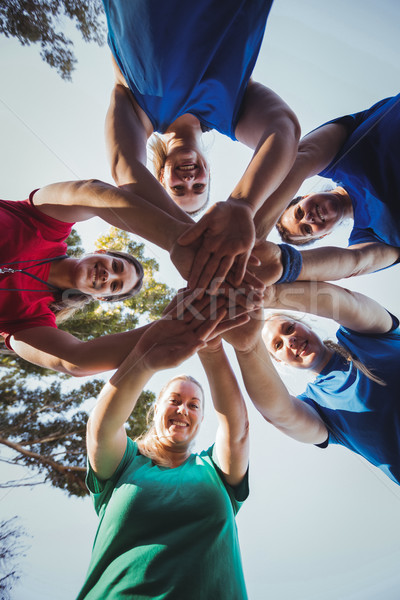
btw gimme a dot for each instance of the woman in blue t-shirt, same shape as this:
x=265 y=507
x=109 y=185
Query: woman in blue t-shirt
x=166 y=514
x=181 y=69
x=354 y=400
x=360 y=153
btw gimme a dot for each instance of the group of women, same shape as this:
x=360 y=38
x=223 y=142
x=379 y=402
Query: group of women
x=167 y=514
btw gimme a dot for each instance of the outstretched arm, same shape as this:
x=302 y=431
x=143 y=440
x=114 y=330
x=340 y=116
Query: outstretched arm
x=127 y=129
x=271 y=398
x=315 y=152
x=232 y=442
x=329 y=262
x=58 y=350
x=350 y=309
x=268 y=126
x=74 y=201
x=166 y=343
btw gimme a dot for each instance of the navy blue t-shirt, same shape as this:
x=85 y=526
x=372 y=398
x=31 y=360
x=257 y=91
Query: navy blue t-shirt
x=360 y=414
x=368 y=168
x=187 y=57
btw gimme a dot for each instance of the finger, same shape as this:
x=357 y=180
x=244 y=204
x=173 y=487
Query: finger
x=240 y=267
x=254 y=260
x=194 y=232
x=208 y=272
x=228 y=324
x=201 y=259
x=253 y=281
x=219 y=276
x=207 y=327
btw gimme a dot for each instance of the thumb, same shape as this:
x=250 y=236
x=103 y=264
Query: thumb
x=193 y=232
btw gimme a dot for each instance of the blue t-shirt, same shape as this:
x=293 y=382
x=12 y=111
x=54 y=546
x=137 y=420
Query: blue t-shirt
x=187 y=57
x=368 y=168
x=360 y=414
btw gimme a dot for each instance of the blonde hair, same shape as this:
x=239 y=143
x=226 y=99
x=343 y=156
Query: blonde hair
x=336 y=348
x=158 y=149
x=148 y=442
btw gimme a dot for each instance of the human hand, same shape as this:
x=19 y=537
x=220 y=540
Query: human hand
x=245 y=337
x=181 y=332
x=227 y=238
x=270 y=269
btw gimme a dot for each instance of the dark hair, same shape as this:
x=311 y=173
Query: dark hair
x=67 y=302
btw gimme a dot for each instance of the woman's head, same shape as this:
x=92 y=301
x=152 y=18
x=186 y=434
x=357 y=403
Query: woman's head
x=179 y=411
x=184 y=173
x=292 y=342
x=108 y=275
x=312 y=217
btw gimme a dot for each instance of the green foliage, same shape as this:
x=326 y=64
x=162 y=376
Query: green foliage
x=42 y=21
x=43 y=419
x=46 y=428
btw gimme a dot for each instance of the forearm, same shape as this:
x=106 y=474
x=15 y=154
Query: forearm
x=232 y=441
x=271 y=398
x=316 y=150
x=55 y=349
x=272 y=159
x=350 y=309
x=332 y=263
x=81 y=200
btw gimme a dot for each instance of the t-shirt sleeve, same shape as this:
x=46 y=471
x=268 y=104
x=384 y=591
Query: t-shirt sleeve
x=102 y=489
x=238 y=493
x=47 y=319
x=330 y=438
x=61 y=226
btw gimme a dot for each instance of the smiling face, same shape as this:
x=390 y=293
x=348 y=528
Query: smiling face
x=314 y=216
x=186 y=178
x=179 y=413
x=295 y=344
x=102 y=275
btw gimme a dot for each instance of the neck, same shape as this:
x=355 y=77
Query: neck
x=184 y=131
x=323 y=361
x=345 y=201
x=177 y=456
x=60 y=274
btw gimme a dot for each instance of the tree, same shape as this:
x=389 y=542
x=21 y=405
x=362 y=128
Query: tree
x=41 y=21
x=43 y=418
x=11 y=548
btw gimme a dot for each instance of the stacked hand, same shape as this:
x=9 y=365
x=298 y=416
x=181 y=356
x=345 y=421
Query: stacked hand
x=226 y=234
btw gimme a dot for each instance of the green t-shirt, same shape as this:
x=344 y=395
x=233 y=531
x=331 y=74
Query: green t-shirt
x=165 y=533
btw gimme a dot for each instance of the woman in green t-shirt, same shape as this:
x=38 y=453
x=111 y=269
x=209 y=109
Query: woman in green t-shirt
x=167 y=515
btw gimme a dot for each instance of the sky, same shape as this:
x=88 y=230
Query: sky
x=317 y=523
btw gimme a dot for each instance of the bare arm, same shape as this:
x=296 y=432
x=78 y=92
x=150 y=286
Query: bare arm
x=335 y=263
x=268 y=126
x=315 y=152
x=350 y=309
x=329 y=262
x=127 y=129
x=271 y=398
x=165 y=344
x=81 y=200
x=232 y=442
x=58 y=350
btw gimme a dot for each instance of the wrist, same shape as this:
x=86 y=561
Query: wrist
x=292 y=262
x=244 y=203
